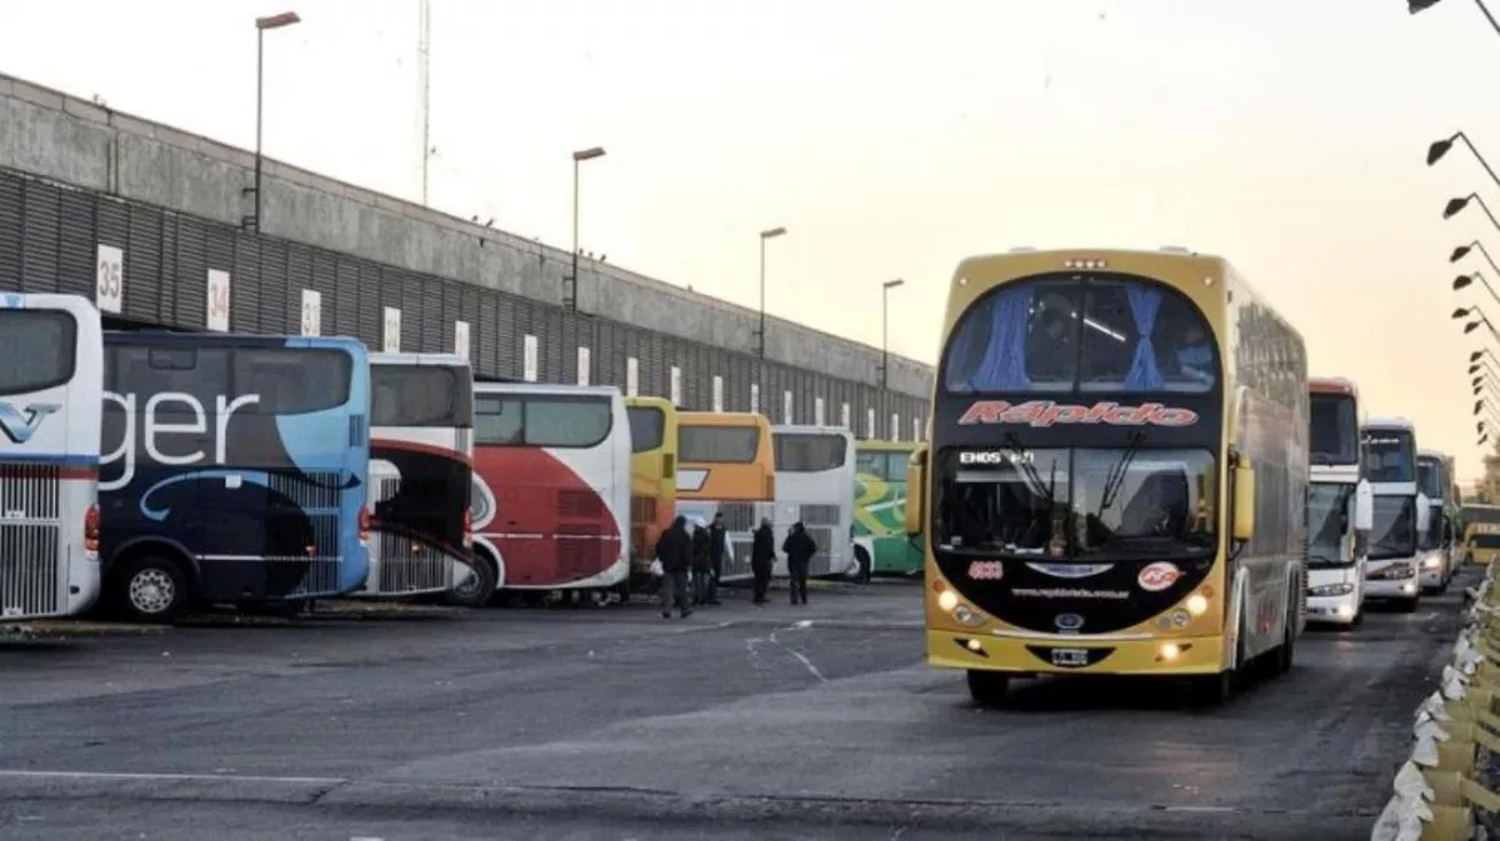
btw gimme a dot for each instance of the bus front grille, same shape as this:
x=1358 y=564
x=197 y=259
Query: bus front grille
x=30 y=533
x=408 y=565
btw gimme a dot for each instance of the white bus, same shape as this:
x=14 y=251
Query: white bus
x=51 y=399
x=1435 y=542
x=815 y=485
x=1339 y=505
x=1400 y=512
x=421 y=469
x=551 y=493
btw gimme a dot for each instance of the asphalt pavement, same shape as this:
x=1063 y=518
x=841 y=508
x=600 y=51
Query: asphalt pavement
x=741 y=722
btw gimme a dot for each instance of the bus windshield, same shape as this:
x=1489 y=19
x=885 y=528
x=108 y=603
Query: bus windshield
x=1335 y=429
x=1433 y=537
x=809 y=452
x=1390 y=456
x=648 y=428
x=1430 y=477
x=1484 y=541
x=37 y=349
x=421 y=395
x=1394 y=534
x=1092 y=504
x=1328 y=524
x=1095 y=333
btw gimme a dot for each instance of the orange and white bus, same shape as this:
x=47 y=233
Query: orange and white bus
x=653 y=477
x=726 y=464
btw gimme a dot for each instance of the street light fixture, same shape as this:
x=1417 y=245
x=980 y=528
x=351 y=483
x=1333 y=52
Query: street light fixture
x=1466 y=280
x=885 y=344
x=570 y=292
x=1455 y=206
x=770 y=233
x=261 y=25
x=1415 y=6
x=1439 y=148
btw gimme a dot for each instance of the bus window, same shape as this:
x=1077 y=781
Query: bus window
x=873 y=464
x=897 y=463
x=416 y=395
x=292 y=382
x=498 y=421
x=648 y=428
x=808 y=453
x=567 y=422
x=38 y=348
x=717 y=444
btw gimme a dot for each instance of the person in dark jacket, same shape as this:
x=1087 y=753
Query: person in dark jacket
x=799 y=547
x=762 y=558
x=675 y=551
x=718 y=544
x=701 y=564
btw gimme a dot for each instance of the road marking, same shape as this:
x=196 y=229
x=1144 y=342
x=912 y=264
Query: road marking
x=1199 y=809
x=101 y=775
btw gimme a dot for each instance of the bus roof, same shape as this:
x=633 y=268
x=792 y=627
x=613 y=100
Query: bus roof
x=545 y=388
x=722 y=419
x=1387 y=422
x=810 y=428
x=446 y=360
x=75 y=304
x=1421 y=453
x=1333 y=385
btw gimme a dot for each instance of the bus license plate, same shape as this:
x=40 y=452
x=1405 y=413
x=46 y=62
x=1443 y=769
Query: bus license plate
x=1070 y=656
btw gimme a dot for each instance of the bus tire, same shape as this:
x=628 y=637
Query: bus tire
x=862 y=558
x=152 y=588
x=476 y=590
x=1287 y=652
x=988 y=688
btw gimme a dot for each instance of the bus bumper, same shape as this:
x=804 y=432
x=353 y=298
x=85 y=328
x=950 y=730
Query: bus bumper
x=1080 y=655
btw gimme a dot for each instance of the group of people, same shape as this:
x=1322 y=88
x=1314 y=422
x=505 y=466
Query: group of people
x=693 y=562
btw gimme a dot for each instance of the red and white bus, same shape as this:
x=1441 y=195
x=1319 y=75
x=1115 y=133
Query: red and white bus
x=551 y=499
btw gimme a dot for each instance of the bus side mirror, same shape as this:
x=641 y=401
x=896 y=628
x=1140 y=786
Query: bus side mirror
x=916 y=492
x=1424 y=513
x=1244 y=501
x=668 y=465
x=1364 y=507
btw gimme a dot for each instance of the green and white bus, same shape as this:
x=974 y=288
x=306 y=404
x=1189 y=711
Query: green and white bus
x=881 y=545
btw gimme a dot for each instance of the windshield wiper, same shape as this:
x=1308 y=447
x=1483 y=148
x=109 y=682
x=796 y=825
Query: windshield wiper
x=1029 y=470
x=1116 y=478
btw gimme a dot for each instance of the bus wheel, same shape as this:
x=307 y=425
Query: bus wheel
x=152 y=589
x=988 y=688
x=476 y=588
x=862 y=558
x=624 y=591
x=1288 y=650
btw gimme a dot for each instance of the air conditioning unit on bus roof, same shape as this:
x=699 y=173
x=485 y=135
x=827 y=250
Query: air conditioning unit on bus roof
x=1176 y=249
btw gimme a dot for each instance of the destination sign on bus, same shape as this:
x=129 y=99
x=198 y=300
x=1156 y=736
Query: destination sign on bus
x=995 y=457
x=1045 y=413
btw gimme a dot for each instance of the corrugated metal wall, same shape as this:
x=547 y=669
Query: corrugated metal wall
x=49 y=239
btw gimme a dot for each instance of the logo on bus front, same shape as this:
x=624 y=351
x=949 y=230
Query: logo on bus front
x=20 y=424
x=1158 y=576
x=1045 y=413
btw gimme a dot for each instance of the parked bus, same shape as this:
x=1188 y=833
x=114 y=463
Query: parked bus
x=235 y=469
x=653 y=478
x=1339 y=505
x=421 y=469
x=552 y=492
x=1117 y=472
x=1401 y=511
x=881 y=544
x=51 y=382
x=1435 y=543
x=815 y=486
x=1481 y=532
x=726 y=464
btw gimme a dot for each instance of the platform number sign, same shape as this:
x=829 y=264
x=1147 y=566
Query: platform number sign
x=584 y=365
x=390 y=330
x=109 y=279
x=218 y=301
x=916 y=428
x=718 y=393
x=755 y=398
x=461 y=339
x=844 y=417
x=312 y=312
x=632 y=377
x=786 y=407
x=870 y=423
x=895 y=427
x=530 y=358
x=818 y=411
x=676 y=386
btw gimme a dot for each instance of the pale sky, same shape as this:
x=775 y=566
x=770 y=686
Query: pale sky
x=892 y=137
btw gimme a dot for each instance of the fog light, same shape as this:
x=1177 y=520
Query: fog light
x=974 y=645
x=1408 y=588
x=1170 y=651
x=947 y=600
x=1343 y=610
x=1432 y=562
x=1196 y=605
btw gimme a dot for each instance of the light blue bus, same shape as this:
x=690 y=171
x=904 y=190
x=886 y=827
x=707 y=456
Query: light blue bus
x=234 y=469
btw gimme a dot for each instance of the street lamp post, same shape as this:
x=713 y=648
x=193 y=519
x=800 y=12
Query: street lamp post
x=1415 y=6
x=261 y=25
x=570 y=292
x=885 y=344
x=1466 y=280
x=1439 y=148
x=1455 y=206
x=761 y=333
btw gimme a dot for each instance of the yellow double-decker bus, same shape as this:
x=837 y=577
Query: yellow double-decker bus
x=1116 y=475
x=653 y=478
x=727 y=464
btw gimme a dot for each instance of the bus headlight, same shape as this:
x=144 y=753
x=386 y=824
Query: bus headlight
x=947 y=600
x=1343 y=588
x=1432 y=562
x=1197 y=604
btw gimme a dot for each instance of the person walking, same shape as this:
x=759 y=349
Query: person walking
x=718 y=544
x=674 y=549
x=799 y=547
x=701 y=566
x=762 y=557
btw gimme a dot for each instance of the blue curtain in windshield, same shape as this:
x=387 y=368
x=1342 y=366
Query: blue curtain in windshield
x=1145 y=303
x=1004 y=365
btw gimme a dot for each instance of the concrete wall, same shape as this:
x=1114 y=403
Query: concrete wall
x=58 y=136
